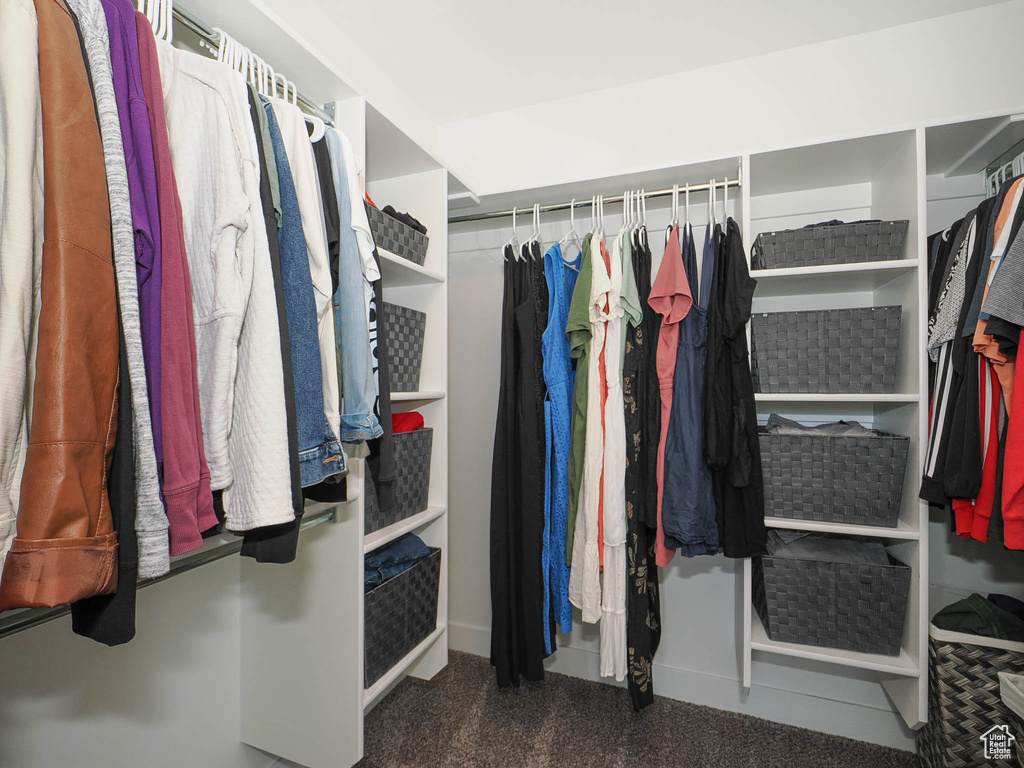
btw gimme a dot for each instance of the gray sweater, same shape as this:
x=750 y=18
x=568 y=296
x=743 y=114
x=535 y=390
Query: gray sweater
x=150 y=520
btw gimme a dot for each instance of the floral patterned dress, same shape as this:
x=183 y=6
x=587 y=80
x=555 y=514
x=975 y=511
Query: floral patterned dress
x=643 y=428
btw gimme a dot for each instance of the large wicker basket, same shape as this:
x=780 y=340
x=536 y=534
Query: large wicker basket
x=412 y=483
x=827 y=350
x=399 y=615
x=857 y=241
x=835 y=479
x=406 y=329
x=963 y=699
x=853 y=606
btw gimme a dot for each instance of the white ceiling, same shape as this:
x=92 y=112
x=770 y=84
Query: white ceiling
x=462 y=58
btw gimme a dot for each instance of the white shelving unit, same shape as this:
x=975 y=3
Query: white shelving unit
x=872 y=177
x=301 y=646
x=401 y=174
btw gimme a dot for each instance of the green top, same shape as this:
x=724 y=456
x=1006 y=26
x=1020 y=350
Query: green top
x=578 y=331
x=630 y=297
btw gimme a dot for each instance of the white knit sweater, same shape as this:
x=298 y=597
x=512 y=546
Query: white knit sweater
x=238 y=343
x=21 y=242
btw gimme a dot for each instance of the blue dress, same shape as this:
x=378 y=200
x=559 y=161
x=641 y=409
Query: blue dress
x=688 y=508
x=559 y=377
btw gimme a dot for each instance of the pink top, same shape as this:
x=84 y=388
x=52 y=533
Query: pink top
x=671 y=298
x=186 y=480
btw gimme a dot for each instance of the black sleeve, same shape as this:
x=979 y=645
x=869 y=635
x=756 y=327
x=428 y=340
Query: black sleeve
x=110 y=619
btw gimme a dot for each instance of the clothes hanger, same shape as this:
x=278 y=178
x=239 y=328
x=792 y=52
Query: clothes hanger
x=643 y=222
x=572 y=236
x=513 y=242
x=725 y=201
x=158 y=19
x=711 y=206
x=568 y=236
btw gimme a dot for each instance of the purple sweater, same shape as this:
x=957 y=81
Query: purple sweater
x=138 y=151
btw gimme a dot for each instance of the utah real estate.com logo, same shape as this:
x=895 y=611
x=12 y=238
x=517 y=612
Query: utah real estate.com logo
x=998 y=743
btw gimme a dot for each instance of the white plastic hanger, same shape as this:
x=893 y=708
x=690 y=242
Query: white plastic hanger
x=725 y=200
x=711 y=206
x=569 y=236
x=513 y=241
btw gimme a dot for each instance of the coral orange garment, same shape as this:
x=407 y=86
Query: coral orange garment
x=671 y=298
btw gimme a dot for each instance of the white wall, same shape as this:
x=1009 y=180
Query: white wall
x=167 y=699
x=963 y=65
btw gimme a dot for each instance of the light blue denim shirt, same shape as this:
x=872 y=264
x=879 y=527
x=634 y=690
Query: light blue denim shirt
x=320 y=454
x=358 y=421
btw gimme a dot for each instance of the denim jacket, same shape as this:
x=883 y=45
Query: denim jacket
x=320 y=454
x=358 y=384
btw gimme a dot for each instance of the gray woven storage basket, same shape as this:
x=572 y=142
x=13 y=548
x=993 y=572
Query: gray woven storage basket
x=405 y=330
x=963 y=698
x=399 y=615
x=853 y=606
x=830 y=244
x=393 y=235
x=412 y=483
x=826 y=350
x=853 y=480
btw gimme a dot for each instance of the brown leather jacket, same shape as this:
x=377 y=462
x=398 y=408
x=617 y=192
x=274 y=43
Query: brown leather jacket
x=66 y=548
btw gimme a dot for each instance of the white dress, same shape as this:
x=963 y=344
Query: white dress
x=585 y=574
x=608 y=310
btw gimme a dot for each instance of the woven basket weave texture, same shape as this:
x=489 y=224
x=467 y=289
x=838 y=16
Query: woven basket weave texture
x=851 y=480
x=851 y=243
x=399 y=615
x=392 y=235
x=405 y=331
x=827 y=350
x=853 y=606
x=412 y=483
x=964 y=703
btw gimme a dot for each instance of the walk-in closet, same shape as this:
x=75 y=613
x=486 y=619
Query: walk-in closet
x=412 y=385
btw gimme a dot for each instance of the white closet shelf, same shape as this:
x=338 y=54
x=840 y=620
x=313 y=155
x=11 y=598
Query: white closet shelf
x=424 y=395
x=374 y=692
x=901 y=531
x=828 y=397
x=830 y=278
x=399 y=272
x=901 y=665
x=378 y=539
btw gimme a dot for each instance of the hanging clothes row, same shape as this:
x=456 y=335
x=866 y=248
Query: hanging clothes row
x=188 y=288
x=625 y=432
x=974 y=458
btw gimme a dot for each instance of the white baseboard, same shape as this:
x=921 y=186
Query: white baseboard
x=840 y=718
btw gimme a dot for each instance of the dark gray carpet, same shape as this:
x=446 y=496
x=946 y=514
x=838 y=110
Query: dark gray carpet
x=461 y=718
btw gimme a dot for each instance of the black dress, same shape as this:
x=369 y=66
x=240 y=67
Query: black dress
x=731 y=446
x=641 y=398
x=517 y=487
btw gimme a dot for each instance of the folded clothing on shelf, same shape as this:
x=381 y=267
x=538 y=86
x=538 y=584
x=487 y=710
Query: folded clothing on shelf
x=999 y=616
x=406 y=422
x=801 y=545
x=392 y=559
x=779 y=425
x=405 y=218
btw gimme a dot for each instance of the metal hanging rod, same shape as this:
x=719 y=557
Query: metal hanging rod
x=212 y=40
x=34 y=617
x=705 y=187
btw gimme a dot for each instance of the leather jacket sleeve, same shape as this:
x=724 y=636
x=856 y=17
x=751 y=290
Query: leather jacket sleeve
x=66 y=548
